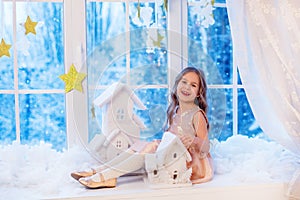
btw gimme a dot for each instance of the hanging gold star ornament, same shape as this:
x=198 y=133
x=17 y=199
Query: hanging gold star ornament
x=157 y=43
x=4 y=49
x=73 y=79
x=30 y=26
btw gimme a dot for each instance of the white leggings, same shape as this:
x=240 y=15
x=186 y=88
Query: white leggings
x=130 y=162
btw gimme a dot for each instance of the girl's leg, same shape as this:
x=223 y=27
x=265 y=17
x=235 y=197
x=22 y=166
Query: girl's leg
x=118 y=159
x=108 y=177
x=135 y=162
x=89 y=172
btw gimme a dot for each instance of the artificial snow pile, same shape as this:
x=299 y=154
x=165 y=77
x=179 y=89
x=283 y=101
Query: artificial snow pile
x=254 y=160
x=37 y=172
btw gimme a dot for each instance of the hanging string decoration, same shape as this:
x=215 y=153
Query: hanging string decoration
x=73 y=79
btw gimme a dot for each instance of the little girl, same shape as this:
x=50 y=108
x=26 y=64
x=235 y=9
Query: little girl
x=186 y=118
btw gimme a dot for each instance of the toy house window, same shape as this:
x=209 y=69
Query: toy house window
x=175 y=174
x=120 y=114
x=119 y=144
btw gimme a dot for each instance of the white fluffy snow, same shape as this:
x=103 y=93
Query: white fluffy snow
x=37 y=172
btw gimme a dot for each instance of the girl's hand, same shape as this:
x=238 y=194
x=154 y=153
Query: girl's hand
x=187 y=140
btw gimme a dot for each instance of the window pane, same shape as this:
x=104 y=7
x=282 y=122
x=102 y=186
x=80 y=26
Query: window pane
x=148 y=56
x=40 y=55
x=114 y=72
x=104 y=22
x=148 y=74
x=111 y=60
x=6 y=63
x=211 y=47
x=6 y=72
x=43 y=119
x=156 y=102
x=7 y=119
x=106 y=58
x=247 y=124
x=220 y=113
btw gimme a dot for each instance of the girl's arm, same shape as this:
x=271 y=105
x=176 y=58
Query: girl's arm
x=201 y=140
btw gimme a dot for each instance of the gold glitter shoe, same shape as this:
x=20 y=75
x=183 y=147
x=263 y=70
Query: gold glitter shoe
x=93 y=184
x=82 y=174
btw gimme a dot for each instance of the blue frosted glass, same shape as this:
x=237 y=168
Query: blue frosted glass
x=41 y=56
x=220 y=113
x=247 y=124
x=211 y=48
x=42 y=118
x=156 y=101
x=6 y=33
x=7 y=119
x=149 y=68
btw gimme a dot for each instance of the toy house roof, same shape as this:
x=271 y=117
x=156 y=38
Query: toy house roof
x=113 y=90
x=167 y=142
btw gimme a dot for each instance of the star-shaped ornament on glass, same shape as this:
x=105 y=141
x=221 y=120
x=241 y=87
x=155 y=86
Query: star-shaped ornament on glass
x=4 y=49
x=30 y=26
x=157 y=43
x=73 y=79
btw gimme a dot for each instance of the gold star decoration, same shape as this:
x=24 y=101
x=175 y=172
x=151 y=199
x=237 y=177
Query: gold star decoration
x=73 y=79
x=30 y=26
x=4 y=49
x=157 y=42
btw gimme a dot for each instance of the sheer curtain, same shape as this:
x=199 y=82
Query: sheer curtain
x=266 y=45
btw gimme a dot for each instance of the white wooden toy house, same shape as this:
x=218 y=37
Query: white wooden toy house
x=120 y=126
x=167 y=167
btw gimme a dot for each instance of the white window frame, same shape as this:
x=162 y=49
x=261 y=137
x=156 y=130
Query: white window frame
x=75 y=53
x=78 y=132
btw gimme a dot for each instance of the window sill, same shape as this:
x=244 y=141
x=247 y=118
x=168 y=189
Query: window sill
x=133 y=187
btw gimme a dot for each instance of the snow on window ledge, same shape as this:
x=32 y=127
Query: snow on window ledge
x=244 y=168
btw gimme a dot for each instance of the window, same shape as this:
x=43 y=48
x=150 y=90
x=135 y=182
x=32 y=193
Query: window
x=121 y=48
x=110 y=43
x=32 y=96
x=210 y=47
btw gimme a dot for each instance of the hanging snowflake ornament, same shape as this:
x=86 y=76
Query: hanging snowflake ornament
x=4 y=48
x=30 y=26
x=203 y=11
x=73 y=79
x=143 y=16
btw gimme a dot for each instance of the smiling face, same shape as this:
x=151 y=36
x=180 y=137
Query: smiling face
x=188 y=88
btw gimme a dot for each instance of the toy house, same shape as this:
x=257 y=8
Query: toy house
x=120 y=126
x=167 y=167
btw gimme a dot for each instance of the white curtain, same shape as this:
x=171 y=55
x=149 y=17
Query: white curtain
x=266 y=48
